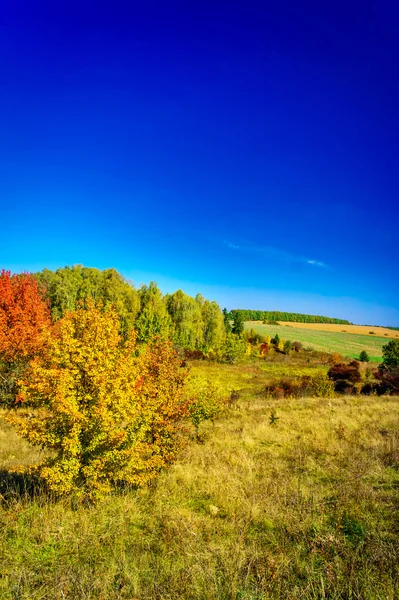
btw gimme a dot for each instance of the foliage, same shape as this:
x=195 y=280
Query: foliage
x=252 y=337
x=390 y=353
x=68 y=287
x=214 y=330
x=234 y=348
x=345 y=376
x=316 y=385
x=186 y=315
x=108 y=412
x=153 y=318
x=24 y=317
x=226 y=320
x=287 y=346
x=238 y=323
x=24 y=329
x=363 y=356
x=275 y=341
x=272 y=317
x=348 y=372
x=206 y=402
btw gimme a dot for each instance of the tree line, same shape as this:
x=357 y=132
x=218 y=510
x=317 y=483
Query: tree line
x=273 y=316
x=190 y=323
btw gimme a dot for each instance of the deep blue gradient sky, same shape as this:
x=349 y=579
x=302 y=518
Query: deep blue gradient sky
x=246 y=150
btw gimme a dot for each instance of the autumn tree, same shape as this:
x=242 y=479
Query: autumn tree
x=153 y=319
x=109 y=411
x=186 y=315
x=238 y=323
x=24 y=328
x=69 y=287
x=214 y=333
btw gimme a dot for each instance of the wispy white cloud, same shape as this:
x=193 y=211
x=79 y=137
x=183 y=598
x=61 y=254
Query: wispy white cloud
x=274 y=252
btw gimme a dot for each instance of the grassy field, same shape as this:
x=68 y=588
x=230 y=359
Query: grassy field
x=360 y=329
x=305 y=508
x=347 y=344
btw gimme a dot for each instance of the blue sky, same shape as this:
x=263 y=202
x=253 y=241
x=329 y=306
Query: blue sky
x=248 y=151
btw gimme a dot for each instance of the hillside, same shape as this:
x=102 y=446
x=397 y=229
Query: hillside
x=358 y=329
x=347 y=344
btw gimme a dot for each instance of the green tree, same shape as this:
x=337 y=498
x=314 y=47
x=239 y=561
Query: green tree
x=68 y=287
x=233 y=349
x=214 y=332
x=238 y=323
x=287 y=346
x=390 y=354
x=226 y=319
x=187 y=321
x=153 y=319
x=363 y=356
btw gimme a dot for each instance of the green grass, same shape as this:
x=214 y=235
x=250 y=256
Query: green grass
x=347 y=344
x=305 y=508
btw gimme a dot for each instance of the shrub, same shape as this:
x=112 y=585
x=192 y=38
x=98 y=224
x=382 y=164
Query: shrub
x=390 y=353
x=388 y=381
x=335 y=358
x=109 y=411
x=205 y=404
x=342 y=371
x=194 y=354
x=234 y=349
x=364 y=357
x=287 y=346
x=297 y=346
x=317 y=385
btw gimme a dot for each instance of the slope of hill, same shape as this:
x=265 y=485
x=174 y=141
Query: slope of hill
x=358 y=329
x=347 y=344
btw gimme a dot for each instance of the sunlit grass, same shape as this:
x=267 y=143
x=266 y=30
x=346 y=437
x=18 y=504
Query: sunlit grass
x=304 y=508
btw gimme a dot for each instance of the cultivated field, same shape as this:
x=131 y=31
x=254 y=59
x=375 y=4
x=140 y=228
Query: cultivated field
x=347 y=344
x=302 y=508
x=361 y=329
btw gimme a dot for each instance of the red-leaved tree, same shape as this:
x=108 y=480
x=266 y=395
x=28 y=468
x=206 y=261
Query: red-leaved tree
x=25 y=325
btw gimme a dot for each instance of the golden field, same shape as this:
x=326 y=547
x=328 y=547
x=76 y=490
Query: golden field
x=361 y=329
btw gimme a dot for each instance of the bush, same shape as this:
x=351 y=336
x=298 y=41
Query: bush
x=364 y=357
x=345 y=377
x=343 y=371
x=206 y=403
x=388 y=381
x=233 y=349
x=297 y=346
x=287 y=346
x=390 y=353
x=109 y=411
x=194 y=354
x=317 y=385
x=335 y=358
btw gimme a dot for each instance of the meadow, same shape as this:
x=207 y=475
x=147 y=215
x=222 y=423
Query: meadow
x=360 y=329
x=347 y=344
x=300 y=506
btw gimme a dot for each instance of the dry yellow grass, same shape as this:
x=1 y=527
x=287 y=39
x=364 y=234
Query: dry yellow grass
x=361 y=329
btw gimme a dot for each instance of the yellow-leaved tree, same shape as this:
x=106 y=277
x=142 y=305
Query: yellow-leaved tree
x=108 y=410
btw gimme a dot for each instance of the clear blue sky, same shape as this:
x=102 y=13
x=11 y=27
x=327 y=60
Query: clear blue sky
x=246 y=150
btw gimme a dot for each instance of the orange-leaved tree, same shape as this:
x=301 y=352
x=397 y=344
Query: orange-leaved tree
x=109 y=411
x=25 y=326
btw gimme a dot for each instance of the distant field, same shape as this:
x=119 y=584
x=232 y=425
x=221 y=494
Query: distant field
x=347 y=344
x=360 y=329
